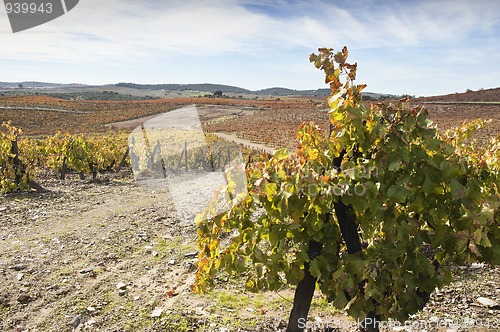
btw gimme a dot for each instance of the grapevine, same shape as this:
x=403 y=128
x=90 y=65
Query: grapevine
x=15 y=171
x=420 y=201
x=84 y=154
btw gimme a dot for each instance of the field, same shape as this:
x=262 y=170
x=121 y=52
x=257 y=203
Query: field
x=112 y=255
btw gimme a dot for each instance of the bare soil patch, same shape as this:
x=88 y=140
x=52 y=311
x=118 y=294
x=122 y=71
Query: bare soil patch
x=207 y=114
x=114 y=256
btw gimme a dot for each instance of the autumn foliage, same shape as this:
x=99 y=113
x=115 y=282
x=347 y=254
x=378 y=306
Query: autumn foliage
x=421 y=201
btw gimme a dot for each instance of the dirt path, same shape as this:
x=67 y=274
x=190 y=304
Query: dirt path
x=206 y=113
x=245 y=142
x=40 y=109
x=115 y=256
x=64 y=252
x=110 y=256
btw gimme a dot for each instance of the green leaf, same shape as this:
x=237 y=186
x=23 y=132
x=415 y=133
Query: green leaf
x=397 y=193
x=428 y=186
x=485 y=241
x=410 y=122
x=314 y=268
x=295 y=275
x=451 y=170
x=354 y=113
x=356 y=266
x=433 y=144
x=340 y=300
x=457 y=190
x=394 y=165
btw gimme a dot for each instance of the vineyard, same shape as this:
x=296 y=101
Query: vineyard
x=271 y=122
x=40 y=132
x=21 y=159
x=39 y=115
x=276 y=127
x=373 y=214
x=84 y=247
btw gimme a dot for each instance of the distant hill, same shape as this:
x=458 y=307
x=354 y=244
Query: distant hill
x=275 y=91
x=162 y=89
x=205 y=87
x=482 y=95
x=290 y=92
x=209 y=87
x=40 y=85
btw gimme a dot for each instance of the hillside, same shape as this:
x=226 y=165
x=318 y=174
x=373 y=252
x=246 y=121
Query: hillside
x=483 y=95
x=135 y=89
x=127 y=91
x=454 y=109
x=115 y=255
x=207 y=87
x=40 y=85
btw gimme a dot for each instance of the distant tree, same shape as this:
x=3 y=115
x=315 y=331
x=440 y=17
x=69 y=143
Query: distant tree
x=218 y=93
x=20 y=85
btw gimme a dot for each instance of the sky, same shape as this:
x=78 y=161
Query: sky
x=415 y=47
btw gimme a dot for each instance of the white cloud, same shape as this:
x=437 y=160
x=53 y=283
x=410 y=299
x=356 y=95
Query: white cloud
x=128 y=34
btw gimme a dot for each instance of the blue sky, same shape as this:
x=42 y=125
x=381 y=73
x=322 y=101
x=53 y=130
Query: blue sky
x=419 y=47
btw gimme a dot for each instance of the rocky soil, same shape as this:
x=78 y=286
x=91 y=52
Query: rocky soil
x=113 y=255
